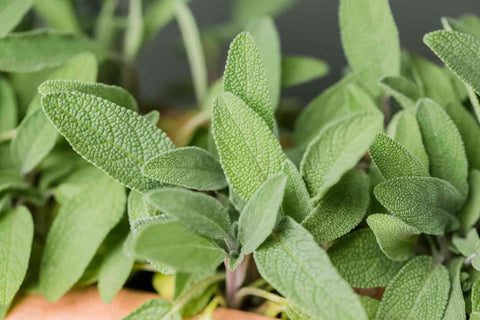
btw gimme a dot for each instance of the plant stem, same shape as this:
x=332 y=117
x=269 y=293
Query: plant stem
x=250 y=291
x=234 y=280
x=144 y=267
x=469 y=260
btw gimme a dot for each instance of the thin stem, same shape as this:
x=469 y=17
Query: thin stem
x=250 y=291
x=469 y=260
x=234 y=281
x=144 y=267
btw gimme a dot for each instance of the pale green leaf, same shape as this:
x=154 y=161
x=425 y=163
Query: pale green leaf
x=105 y=28
x=455 y=309
x=153 y=117
x=189 y=167
x=296 y=201
x=154 y=310
x=60 y=14
x=133 y=30
x=11 y=13
x=245 y=10
x=395 y=238
x=117 y=140
x=246 y=78
x=443 y=144
x=370 y=305
x=470 y=213
x=402 y=89
x=137 y=209
x=359 y=99
x=260 y=215
x=80 y=226
x=8 y=106
x=11 y=180
x=292 y=262
x=341 y=209
x=360 y=261
x=197 y=211
x=370 y=40
x=475 y=298
x=468 y=245
x=469 y=24
x=337 y=149
x=298 y=70
x=157 y=15
x=16 y=235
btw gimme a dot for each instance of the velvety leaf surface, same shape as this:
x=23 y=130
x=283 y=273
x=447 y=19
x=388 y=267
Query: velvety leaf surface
x=402 y=89
x=455 y=309
x=296 y=202
x=154 y=310
x=298 y=70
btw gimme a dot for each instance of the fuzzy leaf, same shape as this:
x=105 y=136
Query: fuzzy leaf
x=80 y=226
x=8 y=106
x=470 y=213
x=16 y=235
x=341 y=209
x=298 y=70
x=468 y=245
x=395 y=238
x=115 y=139
x=189 y=167
x=137 y=210
x=419 y=291
x=337 y=149
x=370 y=305
x=154 y=310
x=197 y=211
x=360 y=261
x=423 y=202
x=260 y=215
x=455 y=309
x=296 y=201
x=475 y=298
x=299 y=269
x=443 y=144
x=246 y=78
x=248 y=150
x=402 y=89
x=11 y=13
x=370 y=40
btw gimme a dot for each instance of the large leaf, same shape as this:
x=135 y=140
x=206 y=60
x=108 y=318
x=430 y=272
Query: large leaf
x=16 y=235
x=419 y=291
x=298 y=268
x=455 y=309
x=297 y=70
x=115 y=139
x=11 y=13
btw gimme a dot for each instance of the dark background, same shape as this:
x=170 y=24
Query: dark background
x=308 y=28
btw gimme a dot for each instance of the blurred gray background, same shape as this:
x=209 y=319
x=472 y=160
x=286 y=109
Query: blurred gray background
x=309 y=28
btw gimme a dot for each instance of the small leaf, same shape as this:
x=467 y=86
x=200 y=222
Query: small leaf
x=468 y=245
x=337 y=149
x=16 y=235
x=121 y=149
x=370 y=305
x=298 y=70
x=402 y=89
x=396 y=238
x=296 y=201
x=245 y=77
x=170 y=243
x=455 y=309
x=154 y=310
x=137 y=210
x=260 y=215
x=153 y=117
x=11 y=13
x=189 y=167
x=360 y=261
x=470 y=213
x=341 y=209
x=196 y=211
x=419 y=291
x=316 y=288
x=8 y=106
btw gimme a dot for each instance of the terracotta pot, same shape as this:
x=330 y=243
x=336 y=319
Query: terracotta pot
x=86 y=304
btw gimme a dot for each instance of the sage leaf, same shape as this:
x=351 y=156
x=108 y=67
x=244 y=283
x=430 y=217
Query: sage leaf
x=470 y=213
x=419 y=291
x=189 y=167
x=468 y=245
x=298 y=70
x=370 y=40
x=156 y=16
x=395 y=238
x=245 y=10
x=291 y=250
x=360 y=261
x=133 y=30
x=170 y=243
x=154 y=310
x=455 y=308
x=115 y=139
x=402 y=89
x=153 y=117
x=8 y=106
x=475 y=300
x=370 y=306
x=341 y=209
x=337 y=149
x=245 y=77
x=260 y=215
x=11 y=13
x=197 y=211
x=296 y=201
x=59 y=14
x=16 y=235
x=11 y=181
x=79 y=227
x=137 y=210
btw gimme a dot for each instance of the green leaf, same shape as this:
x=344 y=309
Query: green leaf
x=105 y=28
x=193 y=46
x=402 y=89
x=359 y=99
x=115 y=139
x=260 y=215
x=468 y=245
x=298 y=70
x=443 y=144
x=419 y=291
x=248 y=150
x=133 y=30
x=60 y=14
x=423 y=202
x=316 y=288
x=137 y=210
x=8 y=106
x=153 y=117
x=370 y=305
x=170 y=243
x=157 y=15
x=360 y=261
x=246 y=78
x=337 y=149
x=154 y=310
x=296 y=201
x=341 y=209
x=467 y=24
x=267 y=39
x=395 y=238
x=11 y=181
x=80 y=226
x=470 y=213
x=394 y=160
x=39 y=49
x=455 y=309
x=114 y=94
x=196 y=211
x=370 y=40
x=245 y=10
x=475 y=297
x=11 y=13
x=189 y=167
x=404 y=129
x=16 y=235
